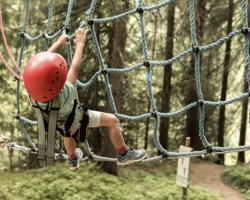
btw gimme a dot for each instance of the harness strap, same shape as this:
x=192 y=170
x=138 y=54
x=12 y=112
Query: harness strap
x=71 y=118
x=41 y=131
x=47 y=122
x=52 y=131
x=84 y=124
x=66 y=120
x=48 y=141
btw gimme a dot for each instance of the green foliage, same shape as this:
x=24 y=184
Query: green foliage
x=152 y=181
x=239 y=178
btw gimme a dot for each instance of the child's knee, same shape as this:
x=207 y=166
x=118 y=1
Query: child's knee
x=113 y=120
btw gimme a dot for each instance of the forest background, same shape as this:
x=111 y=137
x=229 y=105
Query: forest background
x=168 y=34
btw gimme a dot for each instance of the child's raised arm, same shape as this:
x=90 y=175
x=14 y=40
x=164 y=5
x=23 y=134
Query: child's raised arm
x=61 y=41
x=80 y=40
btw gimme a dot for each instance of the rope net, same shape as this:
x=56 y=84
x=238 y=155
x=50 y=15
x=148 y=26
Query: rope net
x=146 y=64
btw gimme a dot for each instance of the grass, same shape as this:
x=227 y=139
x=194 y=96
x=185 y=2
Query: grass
x=153 y=181
x=239 y=178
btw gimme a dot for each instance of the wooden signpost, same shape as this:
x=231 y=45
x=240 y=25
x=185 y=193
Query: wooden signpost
x=183 y=168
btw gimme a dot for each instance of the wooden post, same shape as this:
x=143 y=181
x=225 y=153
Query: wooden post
x=184 y=190
x=188 y=139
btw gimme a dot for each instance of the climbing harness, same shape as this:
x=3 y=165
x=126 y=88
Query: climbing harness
x=46 y=142
x=48 y=124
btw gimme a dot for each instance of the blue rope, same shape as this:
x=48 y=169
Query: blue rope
x=48 y=24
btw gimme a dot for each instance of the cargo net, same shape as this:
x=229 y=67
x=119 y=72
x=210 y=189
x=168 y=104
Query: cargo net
x=146 y=64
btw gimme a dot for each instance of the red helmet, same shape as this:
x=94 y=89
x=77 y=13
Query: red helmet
x=44 y=76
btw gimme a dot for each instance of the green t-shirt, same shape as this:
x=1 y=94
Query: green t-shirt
x=66 y=98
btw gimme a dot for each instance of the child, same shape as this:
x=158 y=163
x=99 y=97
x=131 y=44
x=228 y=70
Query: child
x=64 y=84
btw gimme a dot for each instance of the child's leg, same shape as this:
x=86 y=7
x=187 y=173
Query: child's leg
x=126 y=155
x=70 y=146
x=74 y=154
x=115 y=135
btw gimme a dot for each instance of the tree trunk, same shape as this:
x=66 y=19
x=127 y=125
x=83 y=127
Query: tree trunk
x=192 y=120
x=165 y=104
x=243 y=125
x=118 y=48
x=221 y=127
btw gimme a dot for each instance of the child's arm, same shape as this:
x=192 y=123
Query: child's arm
x=80 y=40
x=61 y=41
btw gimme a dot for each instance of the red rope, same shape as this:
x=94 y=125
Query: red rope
x=8 y=51
x=6 y=65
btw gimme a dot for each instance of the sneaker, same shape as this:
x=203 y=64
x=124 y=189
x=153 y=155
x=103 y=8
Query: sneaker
x=132 y=156
x=74 y=164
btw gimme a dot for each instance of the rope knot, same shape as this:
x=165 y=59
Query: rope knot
x=164 y=154
x=244 y=30
x=200 y=102
x=104 y=71
x=90 y=156
x=33 y=149
x=209 y=149
x=196 y=49
x=146 y=63
x=154 y=113
x=140 y=10
x=22 y=34
x=17 y=116
x=90 y=22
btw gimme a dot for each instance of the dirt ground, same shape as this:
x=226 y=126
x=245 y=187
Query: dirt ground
x=208 y=174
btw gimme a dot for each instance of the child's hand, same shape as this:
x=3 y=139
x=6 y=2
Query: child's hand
x=81 y=36
x=62 y=40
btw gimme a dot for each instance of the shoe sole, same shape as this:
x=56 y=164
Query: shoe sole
x=77 y=167
x=129 y=162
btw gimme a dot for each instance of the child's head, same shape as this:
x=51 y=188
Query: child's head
x=44 y=76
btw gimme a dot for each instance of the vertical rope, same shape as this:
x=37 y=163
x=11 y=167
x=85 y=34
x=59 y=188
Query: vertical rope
x=67 y=26
x=197 y=74
x=147 y=58
x=18 y=82
x=48 y=24
x=148 y=76
x=99 y=56
x=192 y=23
